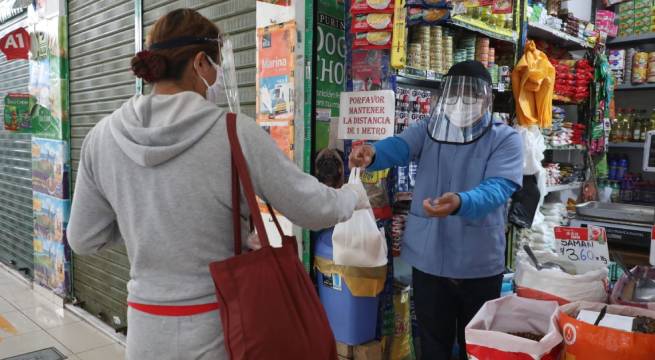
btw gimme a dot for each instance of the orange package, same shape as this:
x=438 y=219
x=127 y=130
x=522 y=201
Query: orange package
x=584 y=341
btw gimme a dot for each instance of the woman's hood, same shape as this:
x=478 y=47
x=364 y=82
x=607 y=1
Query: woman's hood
x=153 y=129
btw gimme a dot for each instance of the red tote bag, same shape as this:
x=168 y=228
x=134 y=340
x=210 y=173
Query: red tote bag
x=268 y=304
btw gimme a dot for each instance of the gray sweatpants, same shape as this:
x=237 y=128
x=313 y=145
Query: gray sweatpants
x=198 y=337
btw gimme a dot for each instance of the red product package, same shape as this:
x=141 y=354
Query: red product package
x=372 y=22
x=371 y=6
x=502 y=7
x=372 y=40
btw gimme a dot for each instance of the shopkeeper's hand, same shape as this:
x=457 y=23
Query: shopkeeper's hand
x=361 y=156
x=444 y=206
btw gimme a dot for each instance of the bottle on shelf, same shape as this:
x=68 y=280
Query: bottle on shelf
x=622 y=168
x=651 y=126
x=616 y=130
x=636 y=127
x=614 y=164
x=627 y=125
x=616 y=192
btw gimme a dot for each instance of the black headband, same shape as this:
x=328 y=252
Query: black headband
x=183 y=41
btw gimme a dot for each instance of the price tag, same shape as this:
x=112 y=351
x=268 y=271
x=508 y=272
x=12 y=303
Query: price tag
x=431 y=75
x=501 y=87
x=586 y=248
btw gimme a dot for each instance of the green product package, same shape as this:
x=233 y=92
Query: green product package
x=601 y=167
x=17 y=112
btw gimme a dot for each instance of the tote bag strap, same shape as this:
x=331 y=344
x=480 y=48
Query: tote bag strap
x=241 y=175
x=275 y=220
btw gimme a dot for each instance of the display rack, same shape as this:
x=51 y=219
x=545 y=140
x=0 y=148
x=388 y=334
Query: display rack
x=631 y=87
x=556 y=188
x=480 y=27
x=567 y=148
x=545 y=32
x=630 y=39
x=627 y=145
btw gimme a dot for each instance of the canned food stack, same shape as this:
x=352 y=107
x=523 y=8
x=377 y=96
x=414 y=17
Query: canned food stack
x=468 y=44
x=414 y=55
x=436 y=49
x=617 y=65
x=640 y=68
x=448 y=58
x=629 y=59
x=482 y=51
x=492 y=57
x=651 y=67
x=494 y=71
x=422 y=36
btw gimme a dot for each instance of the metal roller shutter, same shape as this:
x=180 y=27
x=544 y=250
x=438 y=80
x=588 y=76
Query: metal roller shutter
x=101 y=45
x=16 y=224
x=235 y=17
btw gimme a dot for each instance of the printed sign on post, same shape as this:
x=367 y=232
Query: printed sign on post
x=367 y=115
x=586 y=248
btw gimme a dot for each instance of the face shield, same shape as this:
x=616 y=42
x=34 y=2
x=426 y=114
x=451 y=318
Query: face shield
x=462 y=114
x=229 y=74
x=226 y=71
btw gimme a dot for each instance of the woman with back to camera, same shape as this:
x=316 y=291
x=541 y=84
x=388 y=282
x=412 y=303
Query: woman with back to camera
x=156 y=175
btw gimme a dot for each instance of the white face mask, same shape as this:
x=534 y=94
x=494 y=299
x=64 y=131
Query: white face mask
x=214 y=90
x=463 y=115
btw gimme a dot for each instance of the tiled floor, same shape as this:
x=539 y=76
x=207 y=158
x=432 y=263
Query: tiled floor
x=30 y=322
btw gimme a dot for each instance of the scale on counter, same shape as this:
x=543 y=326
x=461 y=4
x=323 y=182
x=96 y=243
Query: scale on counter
x=649 y=166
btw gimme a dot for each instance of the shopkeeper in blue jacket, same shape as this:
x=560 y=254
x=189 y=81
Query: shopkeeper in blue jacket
x=468 y=167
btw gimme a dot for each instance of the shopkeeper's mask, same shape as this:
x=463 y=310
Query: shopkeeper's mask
x=462 y=112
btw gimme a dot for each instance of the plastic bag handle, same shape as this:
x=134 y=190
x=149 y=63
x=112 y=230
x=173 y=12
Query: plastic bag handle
x=240 y=175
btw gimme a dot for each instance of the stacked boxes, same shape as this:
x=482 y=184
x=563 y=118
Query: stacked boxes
x=636 y=17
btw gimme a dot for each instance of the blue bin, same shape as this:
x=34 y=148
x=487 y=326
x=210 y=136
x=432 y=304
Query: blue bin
x=353 y=319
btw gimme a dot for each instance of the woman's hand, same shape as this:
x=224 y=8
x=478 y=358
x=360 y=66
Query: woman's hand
x=444 y=206
x=361 y=156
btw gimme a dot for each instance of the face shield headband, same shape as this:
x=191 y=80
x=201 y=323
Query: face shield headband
x=227 y=65
x=462 y=113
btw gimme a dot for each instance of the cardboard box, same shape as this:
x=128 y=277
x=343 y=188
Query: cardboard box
x=369 y=351
x=638 y=4
x=344 y=350
x=626 y=6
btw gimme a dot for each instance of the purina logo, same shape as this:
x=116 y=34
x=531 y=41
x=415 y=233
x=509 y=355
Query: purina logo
x=570 y=334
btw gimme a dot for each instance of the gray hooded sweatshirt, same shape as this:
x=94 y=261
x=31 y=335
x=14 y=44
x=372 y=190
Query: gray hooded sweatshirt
x=156 y=175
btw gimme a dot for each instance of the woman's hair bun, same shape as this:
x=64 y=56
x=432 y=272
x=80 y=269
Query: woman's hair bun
x=149 y=66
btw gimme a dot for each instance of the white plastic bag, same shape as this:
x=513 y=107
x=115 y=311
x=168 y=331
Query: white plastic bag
x=552 y=284
x=488 y=334
x=358 y=241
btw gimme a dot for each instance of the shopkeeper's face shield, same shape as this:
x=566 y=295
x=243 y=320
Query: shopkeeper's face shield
x=462 y=113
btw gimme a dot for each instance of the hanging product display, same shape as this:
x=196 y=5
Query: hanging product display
x=51 y=255
x=17 y=112
x=533 y=82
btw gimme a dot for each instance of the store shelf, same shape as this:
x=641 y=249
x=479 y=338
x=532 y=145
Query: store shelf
x=556 y=188
x=417 y=77
x=630 y=87
x=559 y=38
x=627 y=145
x=484 y=29
x=429 y=79
x=567 y=148
x=640 y=38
